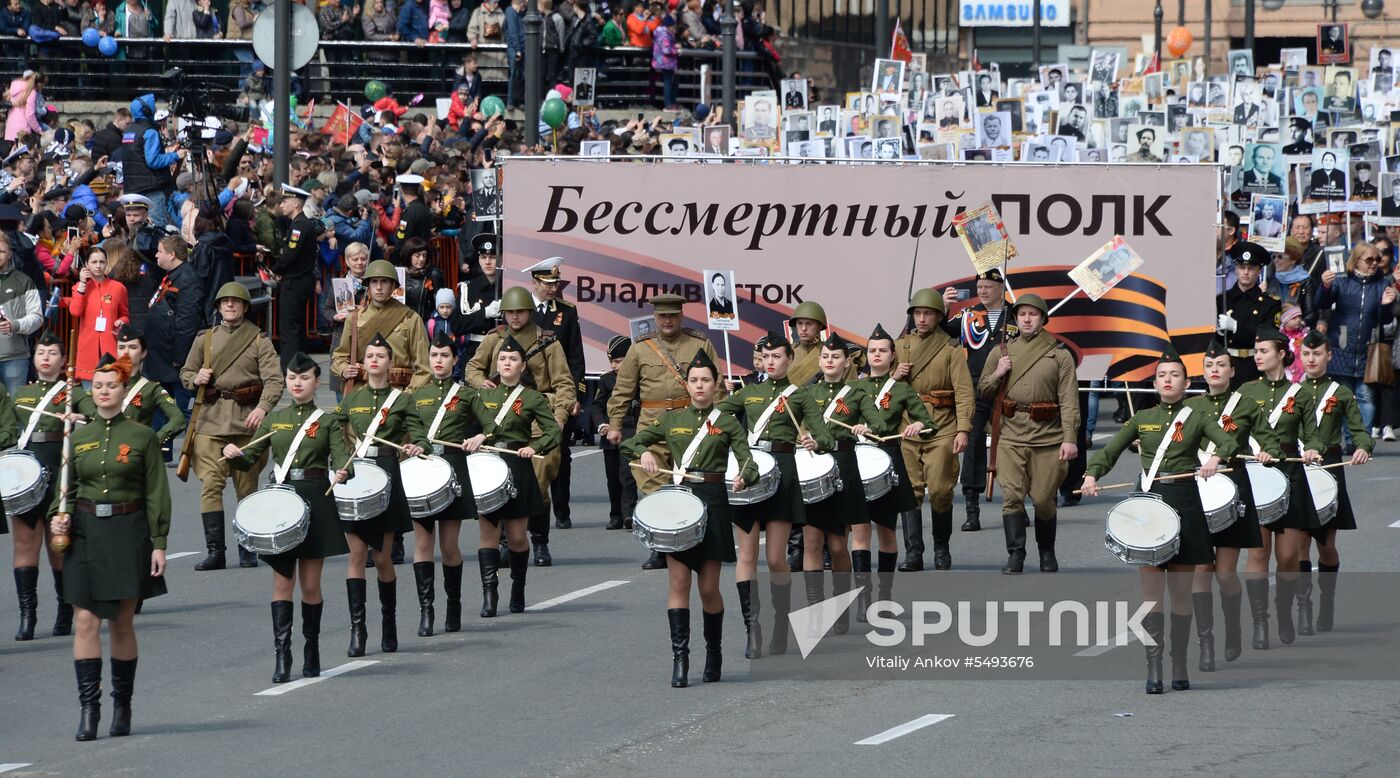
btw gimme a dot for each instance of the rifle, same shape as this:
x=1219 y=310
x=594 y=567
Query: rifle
x=187 y=449
x=347 y=384
x=60 y=542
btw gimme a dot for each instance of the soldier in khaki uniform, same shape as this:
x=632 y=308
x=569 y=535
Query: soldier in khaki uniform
x=1038 y=432
x=652 y=372
x=936 y=368
x=549 y=370
x=809 y=319
x=400 y=326
x=238 y=371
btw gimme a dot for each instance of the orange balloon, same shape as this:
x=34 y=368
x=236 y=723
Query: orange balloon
x=1178 y=41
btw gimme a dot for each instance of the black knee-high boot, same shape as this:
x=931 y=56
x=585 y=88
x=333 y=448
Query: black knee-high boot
x=1284 y=590
x=748 y=606
x=489 y=561
x=841 y=583
x=781 y=595
x=282 y=640
x=713 y=627
x=913 y=526
x=860 y=572
x=519 y=566
x=680 y=646
x=89 y=672
x=123 y=683
x=1045 y=544
x=1013 y=525
x=1203 y=606
x=1153 y=624
x=1230 y=608
x=311 y=639
x=355 y=595
x=388 y=624
x=452 y=587
x=63 y=619
x=885 y=567
x=1181 y=642
x=427 y=593
x=213 y=540
x=942 y=532
x=1304 y=597
x=815 y=594
x=1257 y=589
x=1327 y=584
x=27 y=590
x=795 y=548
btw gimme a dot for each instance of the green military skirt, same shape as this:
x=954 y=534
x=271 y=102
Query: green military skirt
x=464 y=507
x=1244 y=533
x=847 y=506
x=1345 y=518
x=395 y=518
x=528 y=500
x=324 y=538
x=900 y=498
x=718 y=543
x=1302 y=514
x=108 y=561
x=1185 y=498
x=785 y=505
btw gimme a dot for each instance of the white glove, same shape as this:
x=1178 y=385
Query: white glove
x=1226 y=323
x=494 y=309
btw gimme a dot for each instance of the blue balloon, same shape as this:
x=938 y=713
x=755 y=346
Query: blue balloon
x=91 y=37
x=108 y=46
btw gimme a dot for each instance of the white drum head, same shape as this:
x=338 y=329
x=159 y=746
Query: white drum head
x=761 y=460
x=487 y=472
x=1216 y=491
x=812 y=466
x=1142 y=522
x=370 y=479
x=1322 y=485
x=871 y=461
x=669 y=510
x=1267 y=483
x=18 y=472
x=269 y=512
x=422 y=477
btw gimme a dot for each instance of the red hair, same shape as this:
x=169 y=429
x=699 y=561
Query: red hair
x=121 y=366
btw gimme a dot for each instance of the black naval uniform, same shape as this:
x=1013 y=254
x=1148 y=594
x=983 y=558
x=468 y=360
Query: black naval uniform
x=297 y=253
x=416 y=221
x=967 y=328
x=1249 y=309
x=622 y=487
x=561 y=318
x=473 y=295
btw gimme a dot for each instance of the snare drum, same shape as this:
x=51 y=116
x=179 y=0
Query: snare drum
x=429 y=484
x=1324 y=493
x=876 y=471
x=1143 y=531
x=364 y=496
x=492 y=484
x=272 y=520
x=1220 y=501
x=766 y=486
x=817 y=475
x=23 y=481
x=670 y=519
x=1270 y=489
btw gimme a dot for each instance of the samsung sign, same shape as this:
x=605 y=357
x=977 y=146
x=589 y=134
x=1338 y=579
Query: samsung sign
x=1012 y=13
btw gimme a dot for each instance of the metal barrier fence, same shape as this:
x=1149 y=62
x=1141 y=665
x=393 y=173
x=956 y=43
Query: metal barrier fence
x=340 y=69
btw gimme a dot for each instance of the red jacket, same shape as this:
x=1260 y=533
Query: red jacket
x=105 y=300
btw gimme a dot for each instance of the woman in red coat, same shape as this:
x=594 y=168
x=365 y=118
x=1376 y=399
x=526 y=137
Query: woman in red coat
x=99 y=307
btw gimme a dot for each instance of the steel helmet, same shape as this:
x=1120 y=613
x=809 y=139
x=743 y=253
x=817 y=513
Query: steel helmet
x=235 y=290
x=517 y=299
x=809 y=310
x=382 y=268
x=927 y=298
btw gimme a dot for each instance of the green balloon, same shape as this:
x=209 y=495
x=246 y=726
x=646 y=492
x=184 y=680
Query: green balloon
x=553 y=112
x=492 y=106
x=374 y=90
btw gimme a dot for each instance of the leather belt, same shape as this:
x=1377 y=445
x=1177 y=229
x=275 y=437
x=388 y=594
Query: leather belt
x=306 y=474
x=1289 y=449
x=706 y=478
x=845 y=445
x=1333 y=451
x=106 y=510
x=513 y=445
x=437 y=449
x=666 y=405
x=1240 y=352
x=46 y=437
x=776 y=447
x=943 y=398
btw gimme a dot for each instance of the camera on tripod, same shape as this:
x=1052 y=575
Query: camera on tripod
x=194 y=102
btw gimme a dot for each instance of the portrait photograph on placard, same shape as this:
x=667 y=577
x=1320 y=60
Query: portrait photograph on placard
x=1266 y=221
x=1364 y=191
x=984 y=237
x=722 y=309
x=1390 y=199
x=584 y=85
x=716 y=139
x=1333 y=44
x=641 y=327
x=794 y=91
x=596 y=148
x=888 y=77
x=1340 y=90
x=1105 y=268
x=486 y=194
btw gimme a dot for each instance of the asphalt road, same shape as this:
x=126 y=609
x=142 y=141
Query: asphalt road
x=581 y=688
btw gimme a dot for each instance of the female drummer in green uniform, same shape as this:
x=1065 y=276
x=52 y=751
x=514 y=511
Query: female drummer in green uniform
x=700 y=439
x=143 y=396
x=1335 y=407
x=444 y=407
x=378 y=410
x=1169 y=436
x=319 y=442
x=42 y=435
x=117 y=516
x=895 y=402
x=509 y=413
x=769 y=409
x=1287 y=416
x=9 y=430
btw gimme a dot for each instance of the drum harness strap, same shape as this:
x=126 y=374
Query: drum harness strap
x=1151 y=474
x=1229 y=409
x=34 y=414
x=669 y=361
x=134 y=392
x=280 y=472
x=510 y=400
x=368 y=439
x=442 y=409
x=884 y=392
x=1322 y=401
x=831 y=406
x=768 y=413
x=1278 y=411
x=700 y=435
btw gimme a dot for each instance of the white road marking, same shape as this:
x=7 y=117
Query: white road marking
x=182 y=555
x=904 y=729
x=584 y=592
x=587 y=453
x=283 y=688
x=8 y=766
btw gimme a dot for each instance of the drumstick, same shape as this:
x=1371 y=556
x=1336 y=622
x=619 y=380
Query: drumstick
x=1253 y=458
x=898 y=435
x=840 y=423
x=55 y=415
x=447 y=443
x=392 y=444
x=1163 y=478
x=683 y=475
x=499 y=450
x=255 y=441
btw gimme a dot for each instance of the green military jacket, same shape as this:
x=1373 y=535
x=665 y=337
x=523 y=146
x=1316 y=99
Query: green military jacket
x=530 y=407
x=1337 y=410
x=322 y=447
x=854 y=408
x=1149 y=426
x=117 y=460
x=1297 y=422
x=27 y=397
x=401 y=422
x=456 y=416
x=892 y=406
x=678 y=428
x=9 y=422
x=1239 y=423
x=753 y=399
x=141 y=407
